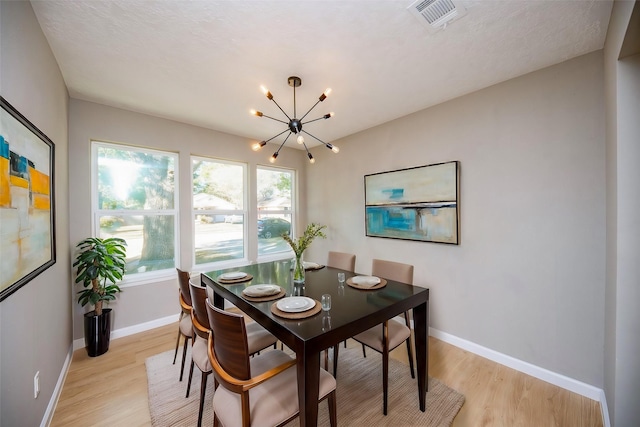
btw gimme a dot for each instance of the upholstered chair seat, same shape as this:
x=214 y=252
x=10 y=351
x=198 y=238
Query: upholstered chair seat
x=270 y=402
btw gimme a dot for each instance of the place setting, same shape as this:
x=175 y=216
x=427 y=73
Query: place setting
x=234 y=277
x=262 y=292
x=296 y=307
x=310 y=266
x=366 y=282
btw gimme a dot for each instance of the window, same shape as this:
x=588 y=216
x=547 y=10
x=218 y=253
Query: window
x=136 y=200
x=219 y=210
x=275 y=214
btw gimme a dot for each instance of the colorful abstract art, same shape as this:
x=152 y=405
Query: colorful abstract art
x=26 y=201
x=419 y=203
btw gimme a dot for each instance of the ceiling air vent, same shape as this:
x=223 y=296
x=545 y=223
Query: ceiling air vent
x=436 y=13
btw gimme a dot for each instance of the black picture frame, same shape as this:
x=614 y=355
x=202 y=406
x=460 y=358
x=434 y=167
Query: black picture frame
x=27 y=200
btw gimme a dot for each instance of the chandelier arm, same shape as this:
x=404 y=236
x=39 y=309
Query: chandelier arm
x=311 y=159
x=315 y=137
x=305 y=114
x=319 y=118
x=305 y=146
x=267 y=140
x=283 y=142
x=273 y=118
x=283 y=112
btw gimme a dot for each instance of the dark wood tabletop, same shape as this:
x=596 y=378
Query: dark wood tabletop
x=352 y=311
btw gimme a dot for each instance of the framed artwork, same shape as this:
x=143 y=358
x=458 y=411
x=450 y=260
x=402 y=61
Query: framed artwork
x=419 y=203
x=26 y=201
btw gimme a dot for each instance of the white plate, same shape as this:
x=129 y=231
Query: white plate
x=261 y=290
x=365 y=280
x=295 y=304
x=233 y=275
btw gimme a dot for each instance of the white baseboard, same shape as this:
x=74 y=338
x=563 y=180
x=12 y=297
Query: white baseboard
x=543 y=374
x=606 y=422
x=53 y=402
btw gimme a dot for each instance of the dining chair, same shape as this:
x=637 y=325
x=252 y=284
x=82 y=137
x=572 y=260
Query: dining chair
x=258 y=338
x=185 y=328
x=384 y=338
x=342 y=260
x=257 y=391
x=199 y=352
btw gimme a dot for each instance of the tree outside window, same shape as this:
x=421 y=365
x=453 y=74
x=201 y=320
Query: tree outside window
x=136 y=201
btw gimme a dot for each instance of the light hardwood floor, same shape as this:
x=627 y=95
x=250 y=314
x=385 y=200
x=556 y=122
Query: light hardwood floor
x=111 y=390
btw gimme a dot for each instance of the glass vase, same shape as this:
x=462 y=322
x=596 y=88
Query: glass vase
x=298 y=270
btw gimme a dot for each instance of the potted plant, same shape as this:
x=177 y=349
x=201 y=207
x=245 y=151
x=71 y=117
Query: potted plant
x=300 y=245
x=100 y=263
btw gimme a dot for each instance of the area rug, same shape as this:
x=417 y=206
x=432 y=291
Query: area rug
x=359 y=395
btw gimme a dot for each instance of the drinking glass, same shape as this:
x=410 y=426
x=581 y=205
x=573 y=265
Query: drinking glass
x=341 y=277
x=326 y=302
x=326 y=324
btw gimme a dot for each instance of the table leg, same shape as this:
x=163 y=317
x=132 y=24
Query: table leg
x=218 y=301
x=420 y=314
x=308 y=368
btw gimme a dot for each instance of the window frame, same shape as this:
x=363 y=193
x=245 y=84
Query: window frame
x=216 y=265
x=293 y=212
x=150 y=276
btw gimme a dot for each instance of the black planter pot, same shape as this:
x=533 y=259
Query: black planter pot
x=97 y=332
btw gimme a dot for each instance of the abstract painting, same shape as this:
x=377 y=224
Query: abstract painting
x=26 y=201
x=419 y=203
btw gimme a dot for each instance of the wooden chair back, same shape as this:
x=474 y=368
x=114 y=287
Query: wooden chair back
x=342 y=260
x=183 y=281
x=199 y=315
x=229 y=342
x=393 y=270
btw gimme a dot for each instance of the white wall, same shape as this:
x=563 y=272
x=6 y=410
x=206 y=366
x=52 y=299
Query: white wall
x=89 y=121
x=622 y=89
x=35 y=324
x=628 y=248
x=527 y=279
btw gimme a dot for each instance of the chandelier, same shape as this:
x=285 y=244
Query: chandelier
x=294 y=125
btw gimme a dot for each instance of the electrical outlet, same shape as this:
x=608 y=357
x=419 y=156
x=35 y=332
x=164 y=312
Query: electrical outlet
x=36 y=385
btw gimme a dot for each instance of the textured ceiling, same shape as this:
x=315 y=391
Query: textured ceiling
x=202 y=62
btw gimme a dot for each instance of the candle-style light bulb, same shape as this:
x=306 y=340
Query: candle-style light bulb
x=266 y=92
x=325 y=94
x=258 y=145
x=333 y=148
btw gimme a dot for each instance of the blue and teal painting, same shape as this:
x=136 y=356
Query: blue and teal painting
x=433 y=222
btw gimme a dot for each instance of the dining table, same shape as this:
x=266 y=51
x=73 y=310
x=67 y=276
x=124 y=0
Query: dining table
x=353 y=310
